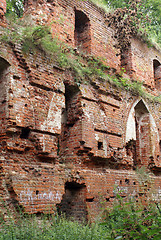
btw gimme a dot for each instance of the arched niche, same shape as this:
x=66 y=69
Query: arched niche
x=157 y=74
x=82 y=33
x=142 y=138
x=4 y=70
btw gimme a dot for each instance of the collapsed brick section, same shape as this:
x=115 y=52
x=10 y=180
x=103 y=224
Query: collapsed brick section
x=70 y=145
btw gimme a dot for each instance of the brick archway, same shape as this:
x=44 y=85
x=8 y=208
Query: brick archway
x=142 y=138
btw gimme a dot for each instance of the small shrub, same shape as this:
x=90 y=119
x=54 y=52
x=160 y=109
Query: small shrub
x=133 y=220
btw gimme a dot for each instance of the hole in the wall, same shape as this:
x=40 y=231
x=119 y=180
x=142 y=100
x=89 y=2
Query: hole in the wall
x=25 y=105
x=131 y=149
x=82 y=143
x=39 y=214
x=114 y=110
x=25 y=133
x=107 y=199
x=89 y=199
x=73 y=203
x=134 y=183
x=100 y=145
x=127 y=181
x=37 y=192
x=120 y=182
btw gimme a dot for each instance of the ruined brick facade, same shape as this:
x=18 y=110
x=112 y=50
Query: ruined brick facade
x=71 y=146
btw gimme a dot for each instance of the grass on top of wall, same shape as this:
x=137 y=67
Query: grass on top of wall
x=85 y=68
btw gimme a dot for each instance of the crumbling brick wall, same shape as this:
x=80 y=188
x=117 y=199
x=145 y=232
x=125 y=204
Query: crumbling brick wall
x=60 y=138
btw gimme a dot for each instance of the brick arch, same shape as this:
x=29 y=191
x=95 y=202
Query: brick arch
x=142 y=137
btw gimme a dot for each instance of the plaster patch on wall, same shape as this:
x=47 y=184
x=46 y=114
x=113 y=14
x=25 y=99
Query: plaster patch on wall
x=131 y=127
x=53 y=121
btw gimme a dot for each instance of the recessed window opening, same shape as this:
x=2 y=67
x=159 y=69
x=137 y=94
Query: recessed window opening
x=160 y=145
x=37 y=192
x=25 y=133
x=157 y=73
x=82 y=32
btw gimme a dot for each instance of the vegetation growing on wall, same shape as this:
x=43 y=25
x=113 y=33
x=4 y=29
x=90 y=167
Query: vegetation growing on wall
x=14 y=7
x=85 y=68
x=150 y=9
x=139 y=17
x=142 y=16
x=128 y=220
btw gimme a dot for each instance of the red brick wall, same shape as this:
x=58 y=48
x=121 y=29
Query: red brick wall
x=142 y=62
x=55 y=131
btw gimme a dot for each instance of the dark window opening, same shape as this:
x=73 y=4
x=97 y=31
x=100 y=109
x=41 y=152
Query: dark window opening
x=157 y=73
x=160 y=145
x=100 y=145
x=127 y=181
x=37 y=192
x=90 y=199
x=82 y=32
x=25 y=133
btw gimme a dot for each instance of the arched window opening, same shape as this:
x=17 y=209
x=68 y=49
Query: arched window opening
x=157 y=74
x=139 y=135
x=82 y=32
